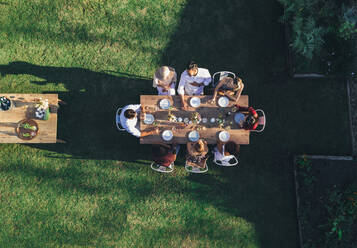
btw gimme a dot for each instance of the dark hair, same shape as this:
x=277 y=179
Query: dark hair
x=232 y=148
x=250 y=121
x=191 y=65
x=129 y=113
x=159 y=150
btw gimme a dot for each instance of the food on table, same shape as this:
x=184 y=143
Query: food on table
x=196 y=117
x=5 y=103
x=167 y=135
x=195 y=102
x=27 y=129
x=223 y=101
x=193 y=136
x=164 y=104
x=28 y=126
x=171 y=117
x=224 y=136
x=148 y=119
x=186 y=120
x=42 y=110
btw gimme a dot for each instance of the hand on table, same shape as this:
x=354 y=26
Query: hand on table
x=212 y=101
x=156 y=130
x=184 y=106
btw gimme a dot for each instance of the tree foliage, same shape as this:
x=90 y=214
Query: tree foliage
x=312 y=21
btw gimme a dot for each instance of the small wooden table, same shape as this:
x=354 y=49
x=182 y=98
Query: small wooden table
x=25 y=109
x=207 y=110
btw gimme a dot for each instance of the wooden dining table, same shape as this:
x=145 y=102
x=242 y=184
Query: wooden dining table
x=208 y=131
x=24 y=108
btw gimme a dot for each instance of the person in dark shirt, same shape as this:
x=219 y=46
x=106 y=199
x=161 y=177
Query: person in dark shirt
x=251 y=120
x=164 y=154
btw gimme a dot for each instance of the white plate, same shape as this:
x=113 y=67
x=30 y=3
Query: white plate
x=204 y=120
x=167 y=135
x=193 y=136
x=212 y=120
x=195 y=102
x=224 y=136
x=149 y=119
x=186 y=120
x=164 y=104
x=179 y=119
x=238 y=118
x=223 y=101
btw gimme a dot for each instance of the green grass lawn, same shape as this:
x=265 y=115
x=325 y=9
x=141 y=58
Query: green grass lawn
x=98 y=189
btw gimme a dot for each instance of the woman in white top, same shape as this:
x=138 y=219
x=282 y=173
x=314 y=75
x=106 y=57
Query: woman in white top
x=165 y=80
x=225 y=151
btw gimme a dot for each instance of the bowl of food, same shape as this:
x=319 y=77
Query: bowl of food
x=164 y=104
x=148 y=119
x=27 y=129
x=193 y=136
x=223 y=101
x=223 y=136
x=195 y=102
x=167 y=135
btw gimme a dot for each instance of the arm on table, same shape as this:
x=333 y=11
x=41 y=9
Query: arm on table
x=181 y=90
x=239 y=92
x=151 y=132
x=219 y=85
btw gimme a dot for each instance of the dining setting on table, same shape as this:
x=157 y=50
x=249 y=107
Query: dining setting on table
x=28 y=118
x=222 y=120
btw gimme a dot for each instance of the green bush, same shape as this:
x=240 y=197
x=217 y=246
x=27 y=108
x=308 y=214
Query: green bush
x=312 y=21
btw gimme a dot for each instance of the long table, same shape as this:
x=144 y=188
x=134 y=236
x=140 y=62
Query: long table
x=208 y=131
x=25 y=109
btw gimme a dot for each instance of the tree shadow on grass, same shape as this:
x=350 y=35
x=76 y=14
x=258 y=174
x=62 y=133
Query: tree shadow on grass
x=87 y=123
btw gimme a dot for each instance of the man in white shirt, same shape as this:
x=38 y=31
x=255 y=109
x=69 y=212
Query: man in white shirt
x=130 y=121
x=192 y=81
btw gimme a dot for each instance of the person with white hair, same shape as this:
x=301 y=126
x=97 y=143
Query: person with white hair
x=165 y=80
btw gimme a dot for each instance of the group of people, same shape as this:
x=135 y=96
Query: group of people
x=192 y=82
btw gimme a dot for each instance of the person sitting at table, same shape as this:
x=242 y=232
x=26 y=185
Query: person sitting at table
x=129 y=119
x=165 y=80
x=197 y=153
x=225 y=151
x=192 y=81
x=164 y=154
x=230 y=87
x=251 y=119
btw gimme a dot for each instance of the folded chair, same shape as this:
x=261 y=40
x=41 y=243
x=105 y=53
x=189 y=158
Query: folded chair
x=218 y=76
x=194 y=168
x=228 y=161
x=117 y=120
x=261 y=121
x=163 y=169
